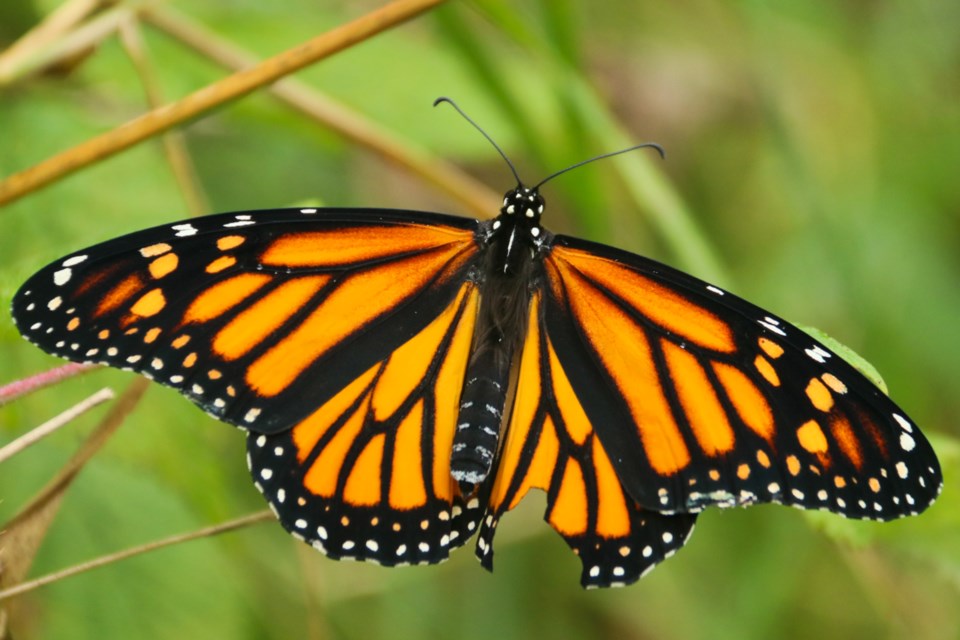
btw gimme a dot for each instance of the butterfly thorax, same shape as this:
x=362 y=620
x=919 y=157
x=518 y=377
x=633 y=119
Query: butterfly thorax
x=512 y=245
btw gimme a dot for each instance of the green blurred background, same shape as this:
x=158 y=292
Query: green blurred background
x=813 y=162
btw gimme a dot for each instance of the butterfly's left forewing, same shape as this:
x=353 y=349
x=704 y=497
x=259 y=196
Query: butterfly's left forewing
x=700 y=398
x=257 y=317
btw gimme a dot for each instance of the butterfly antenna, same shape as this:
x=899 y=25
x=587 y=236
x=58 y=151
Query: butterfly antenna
x=485 y=135
x=651 y=145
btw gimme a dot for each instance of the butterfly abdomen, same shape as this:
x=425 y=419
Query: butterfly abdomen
x=478 y=423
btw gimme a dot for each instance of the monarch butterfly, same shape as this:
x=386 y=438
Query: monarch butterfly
x=405 y=378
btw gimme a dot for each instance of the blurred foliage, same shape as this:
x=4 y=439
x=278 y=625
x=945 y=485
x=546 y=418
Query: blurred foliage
x=815 y=148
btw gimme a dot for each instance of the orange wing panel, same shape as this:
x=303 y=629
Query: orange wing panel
x=251 y=327
x=370 y=243
x=673 y=312
x=626 y=353
x=359 y=300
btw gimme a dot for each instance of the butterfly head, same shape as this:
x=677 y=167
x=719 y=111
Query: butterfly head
x=523 y=202
x=522 y=208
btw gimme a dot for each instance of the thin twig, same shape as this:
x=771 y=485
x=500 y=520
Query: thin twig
x=23 y=534
x=35 y=435
x=73 y=43
x=46 y=33
x=12 y=391
x=30 y=585
x=474 y=195
x=174 y=143
x=211 y=96
x=127 y=401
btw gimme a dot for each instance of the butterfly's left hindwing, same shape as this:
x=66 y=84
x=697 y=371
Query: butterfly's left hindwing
x=259 y=317
x=701 y=398
x=366 y=476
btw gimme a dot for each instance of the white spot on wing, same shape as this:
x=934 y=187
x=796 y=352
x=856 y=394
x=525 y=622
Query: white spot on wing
x=772 y=327
x=903 y=422
x=818 y=354
x=239 y=223
x=184 y=230
x=907 y=442
x=62 y=276
x=74 y=261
